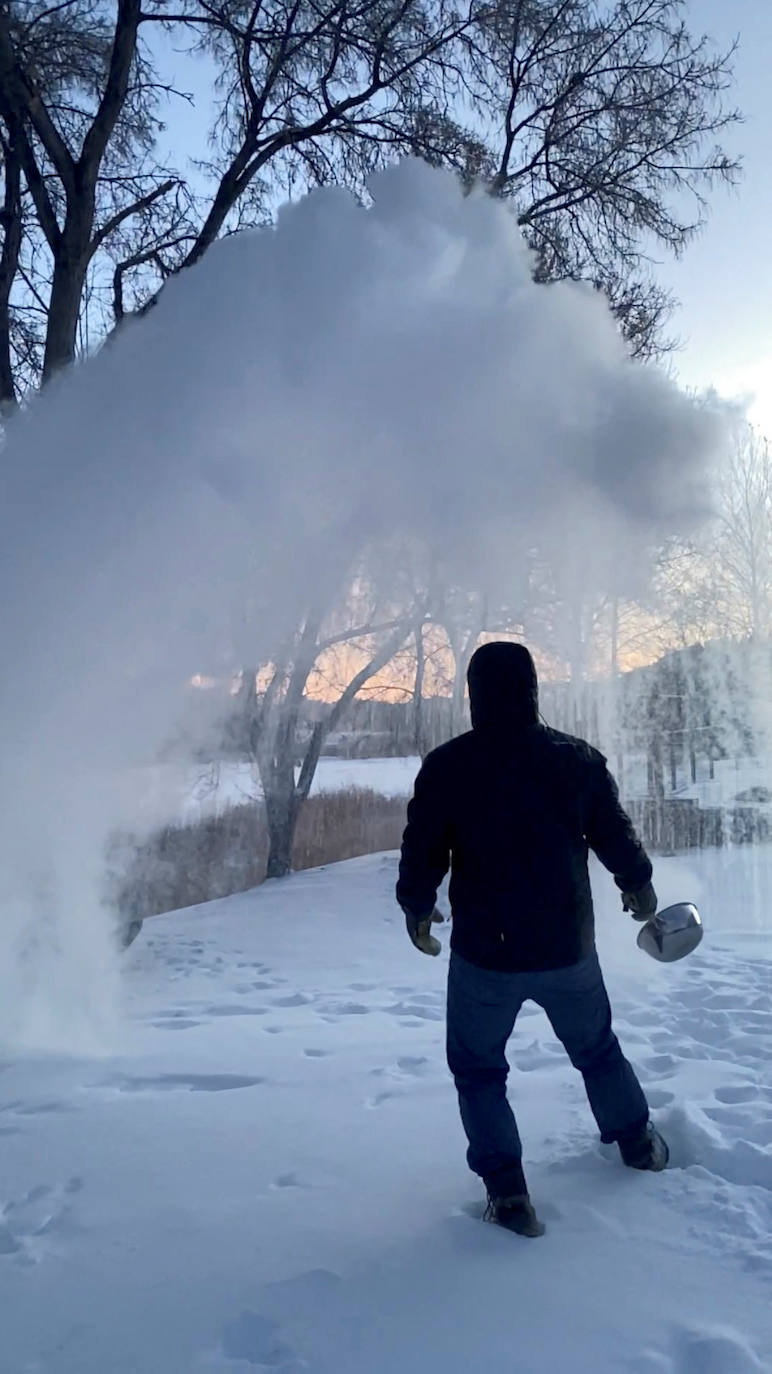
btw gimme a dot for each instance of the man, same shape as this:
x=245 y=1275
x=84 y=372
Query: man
x=512 y=807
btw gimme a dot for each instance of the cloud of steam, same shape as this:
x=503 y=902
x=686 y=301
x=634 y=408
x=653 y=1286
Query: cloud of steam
x=168 y=506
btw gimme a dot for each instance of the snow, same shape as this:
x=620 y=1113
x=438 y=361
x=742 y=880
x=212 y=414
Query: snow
x=265 y=1170
x=188 y=793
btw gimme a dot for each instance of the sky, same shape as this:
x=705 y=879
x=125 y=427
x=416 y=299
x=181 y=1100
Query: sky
x=724 y=280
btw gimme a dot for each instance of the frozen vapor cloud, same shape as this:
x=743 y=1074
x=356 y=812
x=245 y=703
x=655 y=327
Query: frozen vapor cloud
x=167 y=506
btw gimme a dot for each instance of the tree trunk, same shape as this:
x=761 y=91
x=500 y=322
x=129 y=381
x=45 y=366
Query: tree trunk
x=9 y=262
x=655 y=770
x=615 y=638
x=463 y=648
x=419 y=726
x=282 y=811
x=64 y=310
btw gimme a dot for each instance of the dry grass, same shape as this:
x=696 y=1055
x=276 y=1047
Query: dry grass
x=183 y=865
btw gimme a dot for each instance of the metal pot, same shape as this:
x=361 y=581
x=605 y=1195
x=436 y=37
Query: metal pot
x=672 y=933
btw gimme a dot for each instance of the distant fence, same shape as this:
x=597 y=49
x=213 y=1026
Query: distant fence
x=674 y=823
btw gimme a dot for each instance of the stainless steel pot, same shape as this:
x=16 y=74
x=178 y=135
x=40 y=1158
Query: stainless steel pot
x=672 y=933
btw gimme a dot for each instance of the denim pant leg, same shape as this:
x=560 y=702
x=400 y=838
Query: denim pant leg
x=576 y=1002
x=482 y=1009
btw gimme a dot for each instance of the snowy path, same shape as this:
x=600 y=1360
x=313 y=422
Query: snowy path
x=268 y=1174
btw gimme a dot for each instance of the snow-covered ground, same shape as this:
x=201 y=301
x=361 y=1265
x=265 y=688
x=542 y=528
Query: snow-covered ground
x=266 y=1171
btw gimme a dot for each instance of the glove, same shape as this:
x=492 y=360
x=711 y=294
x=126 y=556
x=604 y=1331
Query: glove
x=641 y=904
x=420 y=931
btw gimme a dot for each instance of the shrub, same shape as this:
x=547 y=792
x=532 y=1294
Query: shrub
x=183 y=865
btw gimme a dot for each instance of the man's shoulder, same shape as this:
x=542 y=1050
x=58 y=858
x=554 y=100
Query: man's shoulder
x=571 y=746
x=449 y=753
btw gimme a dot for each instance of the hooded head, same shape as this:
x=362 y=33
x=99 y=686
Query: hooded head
x=503 y=687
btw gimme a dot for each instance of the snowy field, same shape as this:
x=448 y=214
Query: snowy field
x=266 y=1172
x=189 y=793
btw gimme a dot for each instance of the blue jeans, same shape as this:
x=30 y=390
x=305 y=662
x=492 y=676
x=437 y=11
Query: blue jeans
x=483 y=1005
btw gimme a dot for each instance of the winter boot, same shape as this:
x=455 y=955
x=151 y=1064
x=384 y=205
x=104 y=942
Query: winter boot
x=647 y=1150
x=514 y=1214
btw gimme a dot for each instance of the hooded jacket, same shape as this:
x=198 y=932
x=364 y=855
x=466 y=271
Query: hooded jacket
x=512 y=808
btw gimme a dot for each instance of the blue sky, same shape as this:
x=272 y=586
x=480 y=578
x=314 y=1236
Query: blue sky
x=724 y=280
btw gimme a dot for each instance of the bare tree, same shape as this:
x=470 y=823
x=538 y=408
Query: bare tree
x=597 y=120
x=718 y=584
x=284 y=748
x=78 y=98
x=606 y=137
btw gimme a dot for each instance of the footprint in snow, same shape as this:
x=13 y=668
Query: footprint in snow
x=316 y=1054
x=727 y=1152
x=529 y=1058
x=183 y=1082
x=297 y=999
x=255 y=1340
x=21 y=1108
x=332 y=1011
x=288 y=1181
x=415 y=1009
x=658 y=1098
x=663 y=1065
x=380 y=1098
x=737 y=1092
x=408 y=1066
x=413 y=1064
x=178 y=1024
x=43 y=1211
x=235 y=1009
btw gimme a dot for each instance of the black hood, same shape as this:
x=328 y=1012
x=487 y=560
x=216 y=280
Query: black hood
x=503 y=687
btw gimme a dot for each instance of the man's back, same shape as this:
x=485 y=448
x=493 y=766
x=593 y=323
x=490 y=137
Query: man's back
x=513 y=810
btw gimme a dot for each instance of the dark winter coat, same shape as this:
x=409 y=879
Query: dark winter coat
x=512 y=807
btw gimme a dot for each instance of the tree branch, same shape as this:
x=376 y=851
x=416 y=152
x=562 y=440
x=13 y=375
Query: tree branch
x=117 y=85
x=20 y=99
x=323 y=728
x=127 y=211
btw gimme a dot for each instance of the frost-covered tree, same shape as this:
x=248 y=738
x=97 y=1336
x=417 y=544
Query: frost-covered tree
x=743 y=553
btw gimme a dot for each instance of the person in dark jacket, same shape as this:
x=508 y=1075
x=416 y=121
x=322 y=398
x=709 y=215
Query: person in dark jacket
x=512 y=808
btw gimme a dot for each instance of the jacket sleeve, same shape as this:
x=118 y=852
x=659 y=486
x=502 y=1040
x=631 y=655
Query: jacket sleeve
x=425 y=857
x=611 y=834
